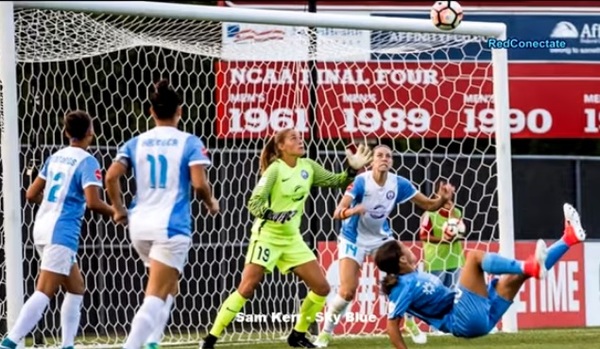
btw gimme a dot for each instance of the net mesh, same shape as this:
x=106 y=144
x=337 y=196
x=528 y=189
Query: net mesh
x=426 y=96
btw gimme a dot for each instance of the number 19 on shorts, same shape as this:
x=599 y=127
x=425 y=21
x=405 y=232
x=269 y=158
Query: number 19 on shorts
x=263 y=254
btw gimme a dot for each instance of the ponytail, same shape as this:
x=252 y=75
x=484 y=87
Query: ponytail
x=388 y=283
x=268 y=154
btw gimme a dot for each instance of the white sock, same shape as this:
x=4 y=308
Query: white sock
x=30 y=315
x=161 y=322
x=70 y=313
x=143 y=322
x=336 y=310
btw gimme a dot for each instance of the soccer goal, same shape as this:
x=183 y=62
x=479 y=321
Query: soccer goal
x=439 y=99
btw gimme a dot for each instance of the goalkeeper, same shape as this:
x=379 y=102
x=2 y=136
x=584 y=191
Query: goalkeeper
x=277 y=202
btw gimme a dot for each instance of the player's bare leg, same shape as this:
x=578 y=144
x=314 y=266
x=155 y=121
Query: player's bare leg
x=349 y=278
x=479 y=262
x=509 y=285
x=314 y=277
x=70 y=312
x=472 y=277
x=252 y=275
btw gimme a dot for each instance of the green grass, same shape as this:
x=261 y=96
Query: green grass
x=531 y=339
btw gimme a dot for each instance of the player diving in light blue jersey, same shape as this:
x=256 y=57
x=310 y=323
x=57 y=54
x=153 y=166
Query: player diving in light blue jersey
x=69 y=181
x=365 y=209
x=165 y=162
x=474 y=307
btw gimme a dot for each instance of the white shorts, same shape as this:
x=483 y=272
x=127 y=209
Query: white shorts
x=56 y=258
x=172 y=252
x=347 y=249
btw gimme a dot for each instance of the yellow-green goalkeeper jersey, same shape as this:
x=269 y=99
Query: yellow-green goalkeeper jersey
x=282 y=188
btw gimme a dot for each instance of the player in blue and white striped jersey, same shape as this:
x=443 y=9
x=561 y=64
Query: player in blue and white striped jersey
x=69 y=181
x=165 y=162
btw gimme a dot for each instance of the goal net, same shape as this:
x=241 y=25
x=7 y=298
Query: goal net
x=427 y=96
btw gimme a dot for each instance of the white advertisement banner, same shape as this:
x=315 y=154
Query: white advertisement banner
x=592 y=282
x=260 y=42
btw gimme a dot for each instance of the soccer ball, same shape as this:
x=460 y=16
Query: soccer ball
x=446 y=15
x=454 y=227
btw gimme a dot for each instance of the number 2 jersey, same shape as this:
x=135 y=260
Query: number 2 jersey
x=160 y=159
x=67 y=173
x=368 y=230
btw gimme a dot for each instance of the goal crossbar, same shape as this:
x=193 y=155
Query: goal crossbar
x=10 y=146
x=273 y=17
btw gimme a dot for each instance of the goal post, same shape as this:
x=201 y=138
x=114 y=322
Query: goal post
x=87 y=54
x=11 y=195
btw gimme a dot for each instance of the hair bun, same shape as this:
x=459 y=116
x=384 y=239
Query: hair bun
x=163 y=86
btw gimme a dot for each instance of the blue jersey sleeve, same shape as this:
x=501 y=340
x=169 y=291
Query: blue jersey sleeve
x=399 y=301
x=89 y=172
x=126 y=154
x=356 y=189
x=406 y=190
x=44 y=171
x=195 y=152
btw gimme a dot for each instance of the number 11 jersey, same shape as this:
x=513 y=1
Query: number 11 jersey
x=160 y=159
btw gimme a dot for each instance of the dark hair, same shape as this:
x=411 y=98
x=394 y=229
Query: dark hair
x=387 y=259
x=165 y=100
x=439 y=183
x=270 y=151
x=77 y=124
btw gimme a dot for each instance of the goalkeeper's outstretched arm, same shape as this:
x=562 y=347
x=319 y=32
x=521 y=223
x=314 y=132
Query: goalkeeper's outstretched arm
x=327 y=179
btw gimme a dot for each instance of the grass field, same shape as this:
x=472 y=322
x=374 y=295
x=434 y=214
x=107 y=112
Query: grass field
x=539 y=339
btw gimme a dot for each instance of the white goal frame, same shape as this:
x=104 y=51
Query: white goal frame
x=9 y=123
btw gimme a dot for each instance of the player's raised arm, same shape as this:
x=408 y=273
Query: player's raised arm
x=355 y=162
x=445 y=193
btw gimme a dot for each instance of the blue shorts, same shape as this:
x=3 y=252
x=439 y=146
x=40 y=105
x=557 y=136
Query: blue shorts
x=474 y=315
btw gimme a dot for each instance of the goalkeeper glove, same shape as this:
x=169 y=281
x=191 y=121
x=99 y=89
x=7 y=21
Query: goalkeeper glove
x=361 y=158
x=279 y=217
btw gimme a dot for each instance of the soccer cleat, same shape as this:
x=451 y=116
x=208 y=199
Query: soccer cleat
x=209 y=342
x=7 y=344
x=298 y=340
x=323 y=340
x=535 y=265
x=573 y=233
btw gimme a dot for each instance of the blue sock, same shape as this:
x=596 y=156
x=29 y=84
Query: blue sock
x=555 y=252
x=7 y=343
x=495 y=264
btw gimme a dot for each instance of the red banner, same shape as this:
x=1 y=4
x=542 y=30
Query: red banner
x=395 y=99
x=539 y=303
